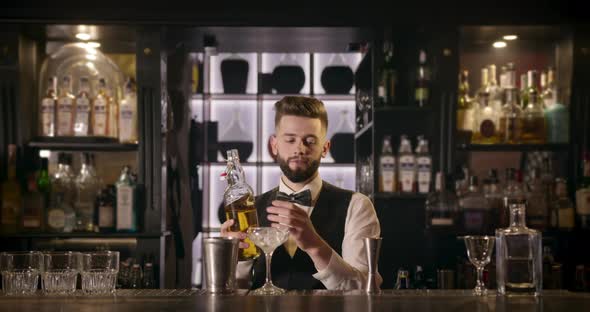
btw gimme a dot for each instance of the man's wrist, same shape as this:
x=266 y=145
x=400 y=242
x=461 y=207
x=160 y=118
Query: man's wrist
x=320 y=254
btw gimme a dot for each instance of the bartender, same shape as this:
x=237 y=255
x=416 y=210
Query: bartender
x=327 y=224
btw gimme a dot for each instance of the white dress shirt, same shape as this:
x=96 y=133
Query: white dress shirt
x=350 y=270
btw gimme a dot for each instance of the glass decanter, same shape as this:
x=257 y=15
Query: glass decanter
x=519 y=267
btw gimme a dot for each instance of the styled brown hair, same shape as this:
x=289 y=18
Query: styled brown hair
x=301 y=106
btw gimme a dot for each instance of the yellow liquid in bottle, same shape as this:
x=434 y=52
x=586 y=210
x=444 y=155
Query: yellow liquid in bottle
x=243 y=212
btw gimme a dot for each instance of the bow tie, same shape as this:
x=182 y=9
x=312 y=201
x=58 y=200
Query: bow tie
x=301 y=198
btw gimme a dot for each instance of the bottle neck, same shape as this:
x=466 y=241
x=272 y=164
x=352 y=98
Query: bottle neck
x=517 y=216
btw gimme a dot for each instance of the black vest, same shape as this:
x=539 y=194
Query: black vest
x=328 y=218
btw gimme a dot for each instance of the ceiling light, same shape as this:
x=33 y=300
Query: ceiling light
x=83 y=36
x=93 y=44
x=499 y=44
x=510 y=37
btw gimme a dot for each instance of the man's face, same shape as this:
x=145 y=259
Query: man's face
x=299 y=144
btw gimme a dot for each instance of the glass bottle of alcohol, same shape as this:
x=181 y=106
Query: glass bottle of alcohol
x=519 y=268
x=387 y=167
x=149 y=277
x=11 y=194
x=113 y=113
x=65 y=108
x=106 y=209
x=388 y=79
x=513 y=194
x=60 y=213
x=475 y=211
x=44 y=187
x=557 y=114
x=238 y=200
x=494 y=89
x=126 y=202
x=548 y=88
x=407 y=166
x=128 y=114
x=48 y=106
x=100 y=110
x=441 y=205
x=136 y=277
x=33 y=205
x=465 y=110
x=533 y=121
x=87 y=187
x=486 y=117
x=423 y=166
x=537 y=205
x=422 y=88
x=82 y=109
x=511 y=116
x=562 y=208
x=523 y=95
x=583 y=195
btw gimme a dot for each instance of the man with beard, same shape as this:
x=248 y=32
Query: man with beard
x=327 y=224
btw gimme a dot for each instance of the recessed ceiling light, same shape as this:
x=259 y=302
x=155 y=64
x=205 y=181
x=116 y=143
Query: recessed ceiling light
x=510 y=37
x=499 y=44
x=83 y=36
x=93 y=44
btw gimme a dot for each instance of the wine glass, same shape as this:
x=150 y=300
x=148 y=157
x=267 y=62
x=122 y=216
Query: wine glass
x=479 y=251
x=268 y=239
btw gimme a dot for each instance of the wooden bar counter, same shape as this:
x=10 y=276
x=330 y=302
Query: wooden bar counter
x=325 y=301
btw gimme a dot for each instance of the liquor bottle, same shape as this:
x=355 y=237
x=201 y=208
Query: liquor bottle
x=60 y=213
x=511 y=116
x=126 y=202
x=493 y=194
x=388 y=79
x=48 y=106
x=524 y=96
x=33 y=206
x=537 y=205
x=407 y=166
x=44 y=187
x=419 y=281
x=149 y=277
x=519 y=267
x=82 y=109
x=65 y=108
x=136 y=277
x=100 y=110
x=128 y=114
x=113 y=113
x=106 y=209
x=423 y=166
x=583 y=195
x=11 y=194
x=475 y=212
x=548 y=261
x=465 y=111
x=562 y=211
x=238 y=200
x=533 y=125
x=87 y=187
x=387 y=167
x=557 y=114
x=441 y=205
x=485 y=130
x=548 y=88
x=422 y=88
x=580 y=283
x=494 y=89
x=513 y=194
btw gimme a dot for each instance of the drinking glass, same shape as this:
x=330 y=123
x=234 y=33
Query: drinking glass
x=20 y=272
x=61 y=272
x=479 y=251
x=99 y=272
x=363 y=102
x=268 y=239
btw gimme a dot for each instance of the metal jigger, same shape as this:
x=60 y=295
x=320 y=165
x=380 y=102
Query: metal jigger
x=372 y=247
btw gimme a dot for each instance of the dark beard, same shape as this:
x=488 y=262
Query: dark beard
x=297 y=176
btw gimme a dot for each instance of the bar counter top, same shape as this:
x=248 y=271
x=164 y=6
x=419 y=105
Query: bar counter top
x=325 y=301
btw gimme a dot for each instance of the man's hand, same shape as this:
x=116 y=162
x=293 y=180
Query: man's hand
x=283 y=213
x=226 y=232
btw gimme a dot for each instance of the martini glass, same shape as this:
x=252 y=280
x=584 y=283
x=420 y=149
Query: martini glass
x=479 y=251
x=268 y=239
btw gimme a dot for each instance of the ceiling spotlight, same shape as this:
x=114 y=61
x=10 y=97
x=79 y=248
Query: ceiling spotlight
x=510 y=37
x=93 y=44
x=83 y=36
x=499 y=44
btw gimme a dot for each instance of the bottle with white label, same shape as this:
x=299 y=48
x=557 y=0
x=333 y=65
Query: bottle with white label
x=407 y=166
x=128 y=114
x=48 y=104
x=113 y=130
x=100 y=110
x=82 y=108
x=423 y=166
x=65 y=108
x=387 y=167
x=126 y=202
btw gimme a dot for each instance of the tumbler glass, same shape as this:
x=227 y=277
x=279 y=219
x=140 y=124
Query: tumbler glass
x=61 y=272
x=20 y=272
x=99 y=272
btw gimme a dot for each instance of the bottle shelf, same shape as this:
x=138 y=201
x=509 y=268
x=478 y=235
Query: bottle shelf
x=404 y=108
x=513 y=147
x=272 y=164
x=364 y=130
x=386 y=196
x=83 y=235
x=81 y=144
